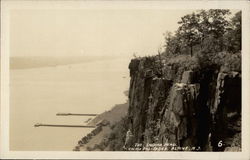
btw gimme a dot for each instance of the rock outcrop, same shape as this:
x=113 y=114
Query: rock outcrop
x=226 y=111
x=196 y=111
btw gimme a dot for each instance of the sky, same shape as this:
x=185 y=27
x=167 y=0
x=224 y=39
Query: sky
x=90 y=32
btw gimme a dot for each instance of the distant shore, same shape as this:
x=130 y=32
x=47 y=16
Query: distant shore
x=39 y=62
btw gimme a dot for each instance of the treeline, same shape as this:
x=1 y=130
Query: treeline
x=205 y=31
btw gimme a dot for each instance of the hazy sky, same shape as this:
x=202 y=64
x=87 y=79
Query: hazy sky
x=90 y=32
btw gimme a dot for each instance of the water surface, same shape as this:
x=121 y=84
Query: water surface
x=37 y=94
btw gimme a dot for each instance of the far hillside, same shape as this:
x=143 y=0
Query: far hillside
x=37 y=62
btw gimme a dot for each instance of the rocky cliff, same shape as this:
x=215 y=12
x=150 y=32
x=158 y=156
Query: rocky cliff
x=196 y=109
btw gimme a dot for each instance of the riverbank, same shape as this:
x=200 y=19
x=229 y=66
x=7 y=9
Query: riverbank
x=96 y=136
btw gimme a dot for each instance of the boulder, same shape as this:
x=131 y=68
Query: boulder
x=188 y=77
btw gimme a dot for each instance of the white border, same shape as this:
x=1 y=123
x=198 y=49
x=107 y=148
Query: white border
x=9 y=5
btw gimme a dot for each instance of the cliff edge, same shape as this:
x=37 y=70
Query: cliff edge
x=179 y=103
x=199 y=110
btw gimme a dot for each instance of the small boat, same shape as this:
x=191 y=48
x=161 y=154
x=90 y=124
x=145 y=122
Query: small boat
x=74 y=114
x=37 y=125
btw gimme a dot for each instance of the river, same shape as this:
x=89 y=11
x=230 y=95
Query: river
x=37 y=94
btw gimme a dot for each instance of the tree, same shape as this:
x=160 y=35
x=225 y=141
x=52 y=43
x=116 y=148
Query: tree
x=207 y=29
x=172 y=44
x=232 y=37
x=188 y=31
x=212 y=26
x=218 y=25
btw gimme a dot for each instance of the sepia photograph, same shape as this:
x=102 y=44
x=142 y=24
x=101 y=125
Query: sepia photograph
x=106 y=78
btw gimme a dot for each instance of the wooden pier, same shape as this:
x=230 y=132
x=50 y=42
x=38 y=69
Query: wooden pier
x=61 y=125
x=75 y=114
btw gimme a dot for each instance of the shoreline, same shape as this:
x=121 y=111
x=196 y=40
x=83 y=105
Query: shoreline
x=104 y=122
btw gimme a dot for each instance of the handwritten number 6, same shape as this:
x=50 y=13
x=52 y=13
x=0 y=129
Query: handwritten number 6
x=220 y=143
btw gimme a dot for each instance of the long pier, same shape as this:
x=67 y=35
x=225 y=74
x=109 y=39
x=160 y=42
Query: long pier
x=60 y=125
x=75 y=114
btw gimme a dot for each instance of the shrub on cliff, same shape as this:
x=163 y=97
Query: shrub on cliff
x=232 y=62
x=181 y=63
x=184 y=61
x=175 y=65
x=222 y=61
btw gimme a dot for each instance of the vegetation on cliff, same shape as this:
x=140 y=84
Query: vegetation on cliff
x=205 y=40
x=206 y=31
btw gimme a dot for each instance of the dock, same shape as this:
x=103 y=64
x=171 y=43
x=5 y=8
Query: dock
x=75 y=114
x=62 y=125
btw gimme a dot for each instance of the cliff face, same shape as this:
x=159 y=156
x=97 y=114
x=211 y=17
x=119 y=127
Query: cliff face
x=200 y=109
